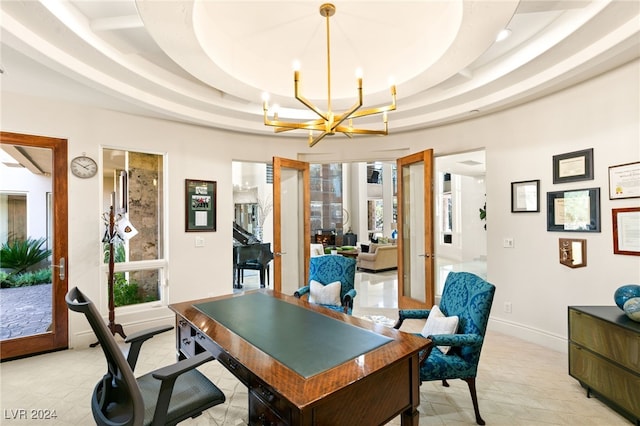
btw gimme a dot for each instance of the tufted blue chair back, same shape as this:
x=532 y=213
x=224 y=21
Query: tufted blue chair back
x=330 y=268
x=470 y=298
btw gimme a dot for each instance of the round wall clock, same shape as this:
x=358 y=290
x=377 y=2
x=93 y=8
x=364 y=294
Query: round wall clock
x=84 y=167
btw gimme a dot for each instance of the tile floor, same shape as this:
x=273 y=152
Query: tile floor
x=519 y=383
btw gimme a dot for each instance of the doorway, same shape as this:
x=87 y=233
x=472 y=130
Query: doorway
x=460 y=207
x=34 y=183
x=459 y=237
x=252 y=225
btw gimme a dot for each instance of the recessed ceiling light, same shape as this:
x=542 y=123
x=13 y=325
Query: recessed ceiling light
x=503 y=34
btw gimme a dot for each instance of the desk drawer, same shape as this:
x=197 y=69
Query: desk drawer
x=235 y=368
x=266 y=394
x=187 y=346
x=262 y=414
x=185 y=338
x=615 y=383
x=207 y=344
x=609 y=340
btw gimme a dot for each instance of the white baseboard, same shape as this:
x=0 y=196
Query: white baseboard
x=530 y=334
x=83 y=339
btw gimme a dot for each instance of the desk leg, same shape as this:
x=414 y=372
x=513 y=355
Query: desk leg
x=411 y=416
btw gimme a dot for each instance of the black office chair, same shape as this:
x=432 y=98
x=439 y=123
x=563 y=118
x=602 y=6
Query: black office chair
x=165 y=396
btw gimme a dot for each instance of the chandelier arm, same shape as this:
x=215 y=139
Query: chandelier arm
x=378 y=110
x=300 y=127
x=295 y=124
x=317 y=139
x=282 y=126
x=349 y=113
x=307 y=103
x=371 y=111
x=351 y=130
x=364 y=132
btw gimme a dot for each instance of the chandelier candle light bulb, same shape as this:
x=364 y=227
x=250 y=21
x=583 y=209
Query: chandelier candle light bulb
x=329 y=123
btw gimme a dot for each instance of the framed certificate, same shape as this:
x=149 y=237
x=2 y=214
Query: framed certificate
x=525 y=196
x=574 y=211
x=626 y=231
x=573 y=166
x=624 y=181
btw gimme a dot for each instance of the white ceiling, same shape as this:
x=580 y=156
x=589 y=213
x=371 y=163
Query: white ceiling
x=208 y=62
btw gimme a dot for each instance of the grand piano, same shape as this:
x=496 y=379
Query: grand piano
x=249 y=253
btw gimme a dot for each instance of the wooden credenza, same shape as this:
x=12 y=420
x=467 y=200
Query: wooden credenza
x=604 y=356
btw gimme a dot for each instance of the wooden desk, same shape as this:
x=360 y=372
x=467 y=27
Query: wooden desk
x=370 y=389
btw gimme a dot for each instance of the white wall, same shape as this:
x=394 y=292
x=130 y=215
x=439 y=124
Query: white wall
x=602 y=113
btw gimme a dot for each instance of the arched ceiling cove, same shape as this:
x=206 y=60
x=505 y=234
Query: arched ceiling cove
x=208 y=62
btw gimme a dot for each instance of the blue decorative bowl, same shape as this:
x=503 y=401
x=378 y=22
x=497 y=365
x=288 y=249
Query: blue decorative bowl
x=632 y=308
x=625 y=293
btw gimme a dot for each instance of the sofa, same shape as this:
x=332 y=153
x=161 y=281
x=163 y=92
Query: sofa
x=380 y=257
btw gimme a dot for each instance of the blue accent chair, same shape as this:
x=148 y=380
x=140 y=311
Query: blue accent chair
x=331 y=268
x=470 y=298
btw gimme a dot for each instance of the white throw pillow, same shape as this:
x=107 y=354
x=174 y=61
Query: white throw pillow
x=437 y=323
x=325 y=294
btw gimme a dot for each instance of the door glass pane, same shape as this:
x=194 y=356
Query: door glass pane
x=375 y=217
x=26 y=297
x=292 y=233
x=413 y=231
x=326 y=201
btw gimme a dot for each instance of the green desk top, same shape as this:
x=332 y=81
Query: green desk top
x=303 y=340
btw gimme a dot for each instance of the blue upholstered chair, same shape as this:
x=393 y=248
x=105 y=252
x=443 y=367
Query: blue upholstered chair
x=470 y=298
x=331 y=268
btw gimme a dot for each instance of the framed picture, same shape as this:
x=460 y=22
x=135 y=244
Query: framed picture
x=577 y=210
x=573 y=166
x=525 y=196
x=624 y=181
x=626 y=231
x=200 y=203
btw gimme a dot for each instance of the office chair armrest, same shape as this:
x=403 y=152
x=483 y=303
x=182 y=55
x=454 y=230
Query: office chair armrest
x=137 y=339
x=171 y=372
x=471 y=340
x=168 y=375
x=302 y=291
x=148 y=333
x=404 y=314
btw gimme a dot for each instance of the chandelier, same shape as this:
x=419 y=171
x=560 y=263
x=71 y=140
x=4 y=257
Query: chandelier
x=329 y=123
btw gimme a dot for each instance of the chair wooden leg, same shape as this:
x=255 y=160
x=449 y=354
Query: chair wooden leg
x=474 y=398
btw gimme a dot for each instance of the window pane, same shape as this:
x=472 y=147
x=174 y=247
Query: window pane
x=132 y=287
x=135 y=180
x=133 y=189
